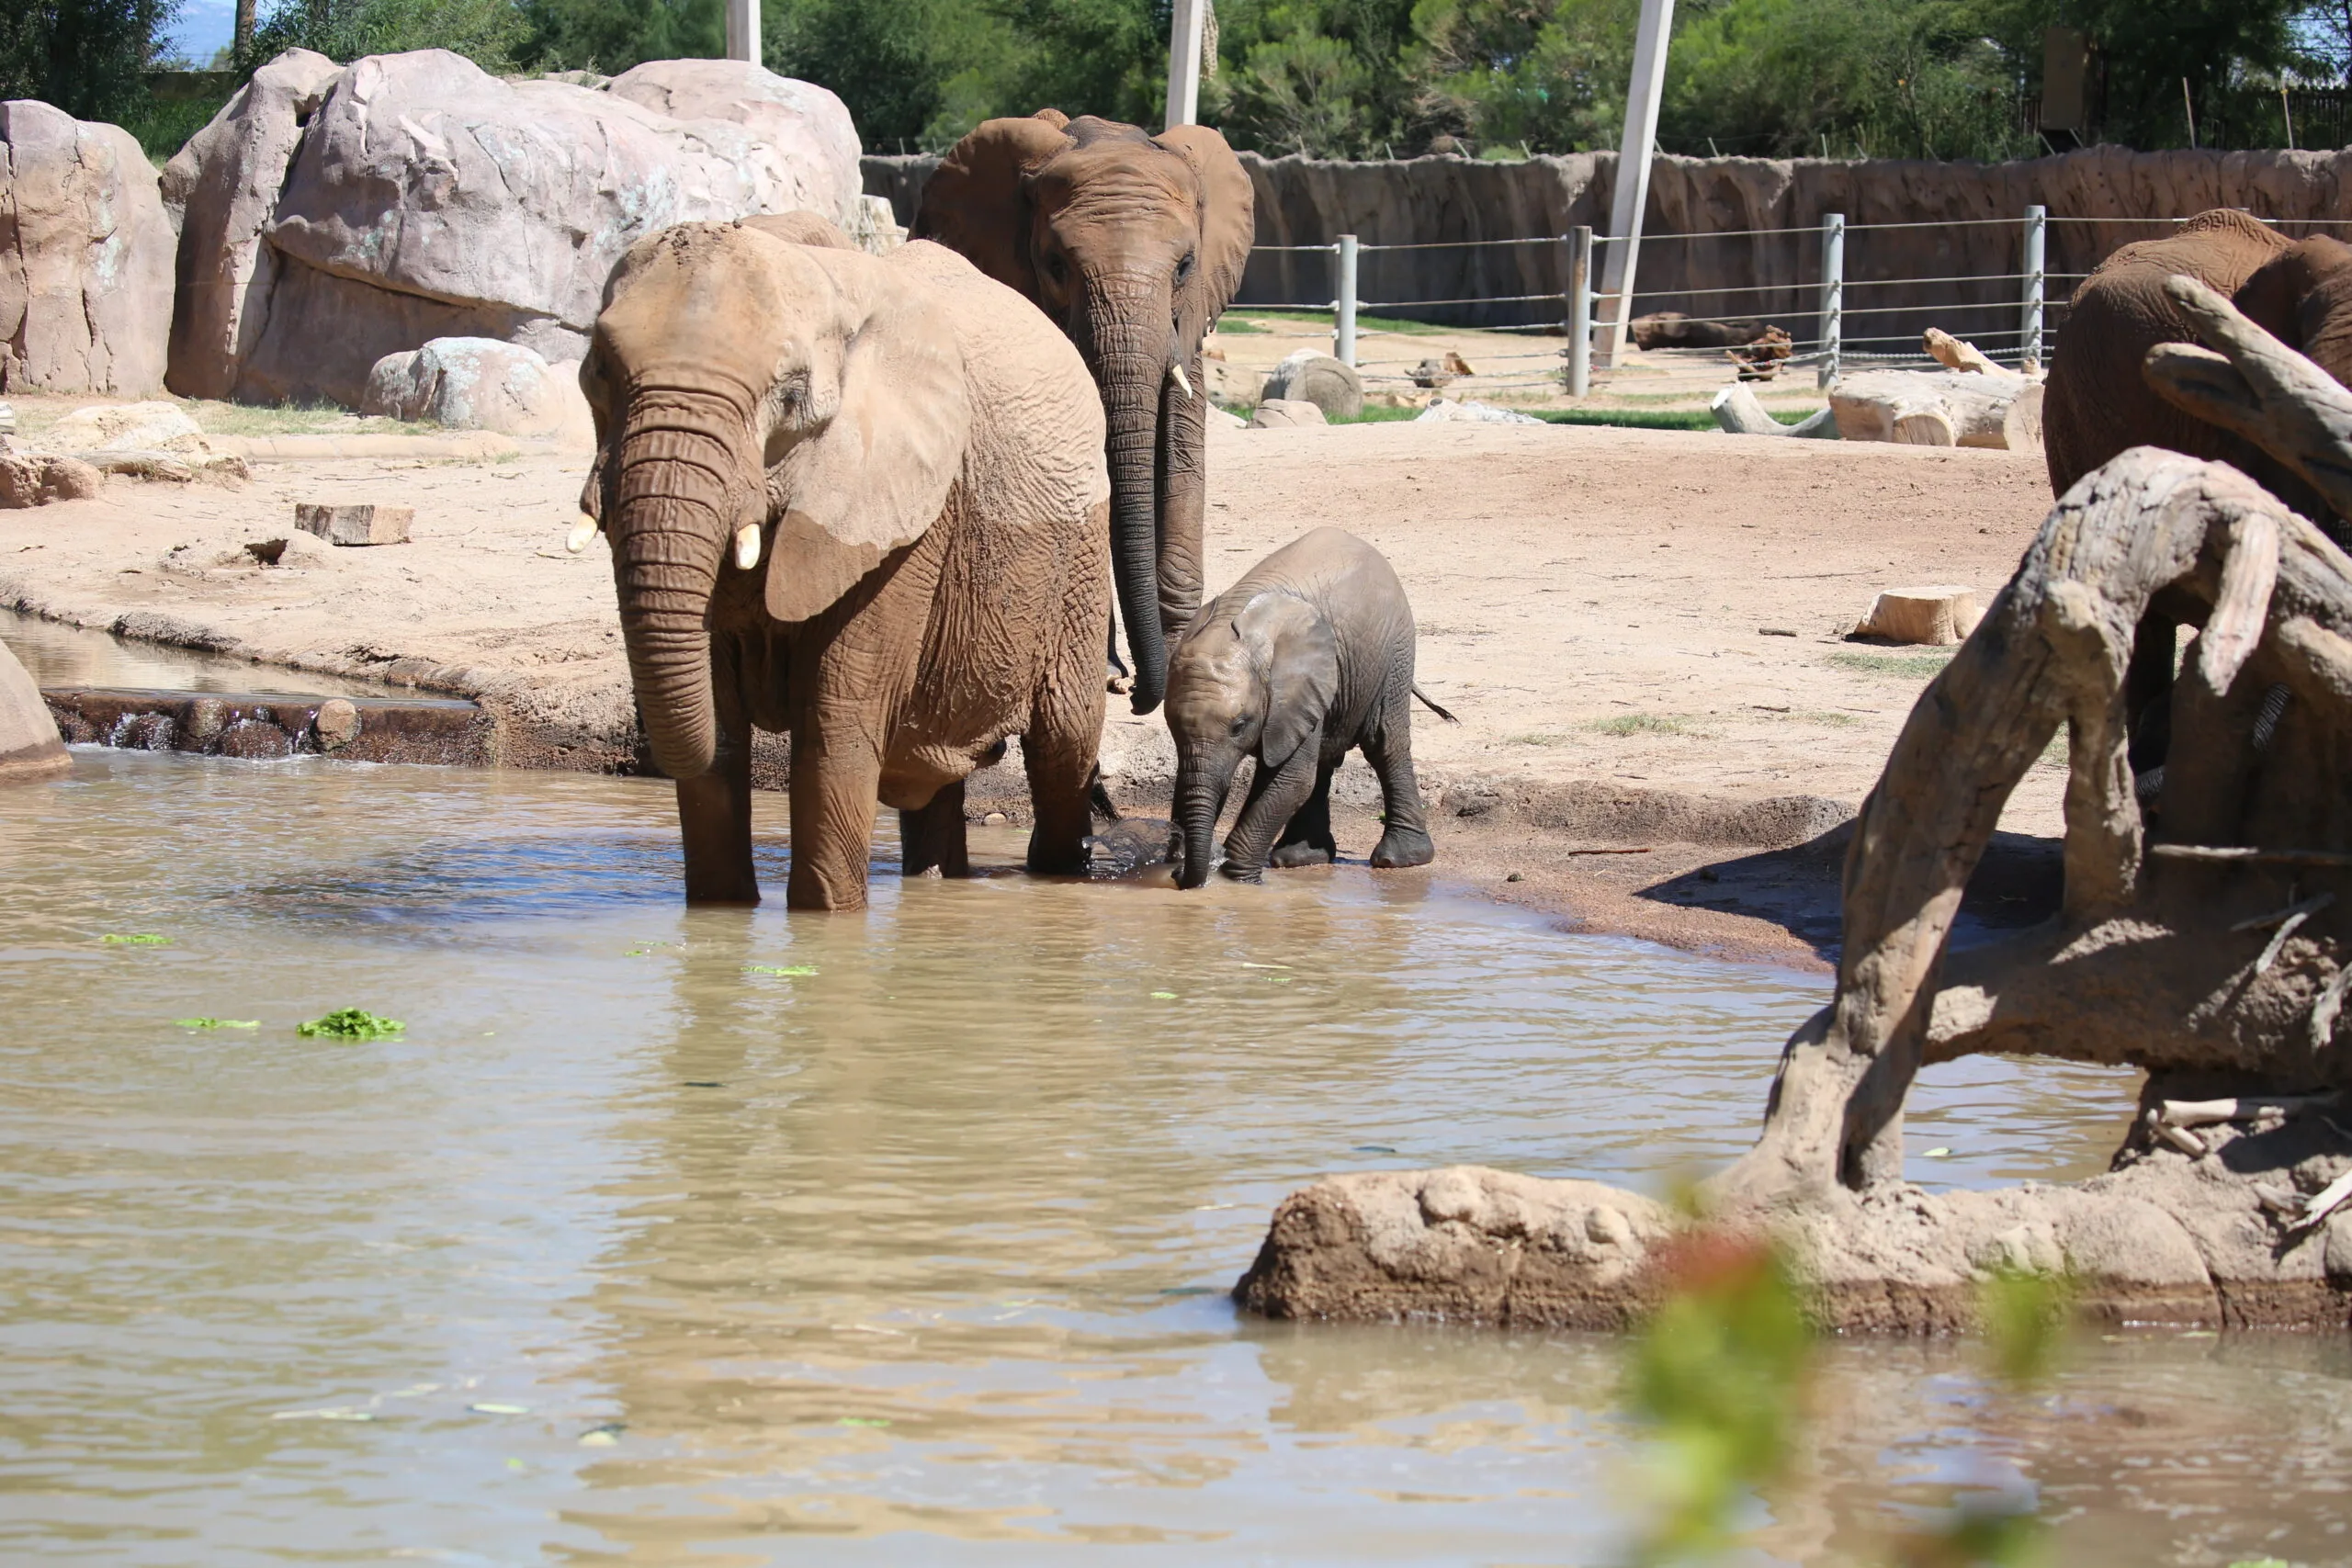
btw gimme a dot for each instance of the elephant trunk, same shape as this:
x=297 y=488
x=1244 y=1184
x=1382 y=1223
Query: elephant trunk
x=674 y=508
x=1126 y=339
x=1201 y=784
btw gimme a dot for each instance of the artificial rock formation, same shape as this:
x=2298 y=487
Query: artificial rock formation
x=333 y=214
x=85 y=257
x=1329 y=383
x=474 y=383
x=29 y=745
x=2205 y=936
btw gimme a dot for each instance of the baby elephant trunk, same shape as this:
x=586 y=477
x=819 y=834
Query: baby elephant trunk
x=1202 y=779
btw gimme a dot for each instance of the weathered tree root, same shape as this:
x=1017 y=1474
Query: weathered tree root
x=2214 y=958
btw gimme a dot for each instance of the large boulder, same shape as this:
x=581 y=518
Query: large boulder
x=1329 y=383
x=85 y=257
x=426 y=199
x=29 y=746
x=225 y=185
x=479 y=383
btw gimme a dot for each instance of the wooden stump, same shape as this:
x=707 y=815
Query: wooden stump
x=1936 y=617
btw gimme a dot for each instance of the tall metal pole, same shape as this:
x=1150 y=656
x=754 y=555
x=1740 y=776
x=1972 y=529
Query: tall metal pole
x=1579 y=318
x=1833 y=293
x=1633 y=186
x=743 y=31
x=2037 y=224
x=1184 y=63
x=1343 y=308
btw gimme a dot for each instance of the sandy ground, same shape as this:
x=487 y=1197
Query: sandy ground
x=1640 y=631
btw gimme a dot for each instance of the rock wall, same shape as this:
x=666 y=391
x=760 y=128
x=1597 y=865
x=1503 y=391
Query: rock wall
x=1966 y=221
x=85 y=257
x=337 y=215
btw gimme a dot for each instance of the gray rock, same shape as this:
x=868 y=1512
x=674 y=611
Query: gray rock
x=1284 y=413
x=356 y=525
x=224 y=185
x=477 y=383
x=29 y=745
x=85 y=257
x=126 y=427
x=1448 y=410
x=424 y=198
x=1331 y=385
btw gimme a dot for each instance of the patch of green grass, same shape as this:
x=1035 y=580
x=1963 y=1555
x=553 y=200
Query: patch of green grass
x=1301 y=319
x=1539 y=738
x=1911 y=666
x=1237 y=326
x=294 y=419
x=1624 y=419
x=1647 y=724
x=350 y=1023
x=1825 y=716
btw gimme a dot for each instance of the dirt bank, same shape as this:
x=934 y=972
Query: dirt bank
x=1639 y=630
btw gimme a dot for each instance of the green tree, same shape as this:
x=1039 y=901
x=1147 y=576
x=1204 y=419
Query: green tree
x=1330 y=78
x=1548 y=73
x=493 y=34
x=610 y=36
x=2225 y=50
x=87 y=57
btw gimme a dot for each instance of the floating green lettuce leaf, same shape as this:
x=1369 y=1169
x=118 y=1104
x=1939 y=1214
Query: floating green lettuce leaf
x=784 y=969
x=217 y=1022
x=351 y=1023
x=135 y=939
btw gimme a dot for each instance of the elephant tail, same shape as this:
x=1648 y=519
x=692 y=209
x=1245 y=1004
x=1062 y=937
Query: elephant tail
x=1432 y=706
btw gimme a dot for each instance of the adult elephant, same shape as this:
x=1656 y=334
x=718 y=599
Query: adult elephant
x=919 y=460
x=2098 y=405
x=1133 y=244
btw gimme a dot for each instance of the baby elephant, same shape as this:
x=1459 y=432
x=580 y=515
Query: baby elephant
x=1309 y=654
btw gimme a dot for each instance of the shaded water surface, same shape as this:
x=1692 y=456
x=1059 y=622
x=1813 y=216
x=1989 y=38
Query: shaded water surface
x=902 y=1237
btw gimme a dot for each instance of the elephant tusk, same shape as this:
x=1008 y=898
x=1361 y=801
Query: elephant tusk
x=1176 y=373
x=582 y=532
x=747 y=546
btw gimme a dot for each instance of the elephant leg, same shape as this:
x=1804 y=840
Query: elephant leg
x=1389 y=749
x=930 y=838
x=1275 y=797
x=833 y=800
x=1306 y=838
x=1059 y=748
x=715 y=824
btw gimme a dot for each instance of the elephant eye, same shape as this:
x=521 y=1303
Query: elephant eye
x=1058 y=268
x=1184 y=269
x=1240 y=722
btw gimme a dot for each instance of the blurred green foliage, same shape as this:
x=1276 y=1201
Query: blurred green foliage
x=1720 y=1380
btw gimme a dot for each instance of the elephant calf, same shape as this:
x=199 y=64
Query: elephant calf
x=1310 y=654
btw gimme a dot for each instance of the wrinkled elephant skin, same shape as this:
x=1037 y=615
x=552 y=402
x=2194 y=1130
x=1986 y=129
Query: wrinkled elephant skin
x=860 y=500
x=1133 y=244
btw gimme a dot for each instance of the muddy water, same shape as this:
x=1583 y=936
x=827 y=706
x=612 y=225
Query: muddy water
x=900 y=1237
x=59 y=655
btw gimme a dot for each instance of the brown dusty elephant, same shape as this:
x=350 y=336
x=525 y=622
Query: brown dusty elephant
x=2098 y=405
x=1133 y=244
x=1308 y=656
x=860 y=500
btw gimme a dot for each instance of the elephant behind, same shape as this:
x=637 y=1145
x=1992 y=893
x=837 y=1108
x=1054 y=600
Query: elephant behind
x=1133 y=244
x=2098 y=404
x=860 y=500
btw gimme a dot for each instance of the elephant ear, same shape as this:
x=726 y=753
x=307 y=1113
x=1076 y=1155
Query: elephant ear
x=975 y=203
x=1294 y=649
x=1229 y=211
x=875 y=476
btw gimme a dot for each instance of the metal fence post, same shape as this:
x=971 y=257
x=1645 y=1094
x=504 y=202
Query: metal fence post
x=1832 y=293
x=1343 y=308
x=2037 y=224
x=1578 y=325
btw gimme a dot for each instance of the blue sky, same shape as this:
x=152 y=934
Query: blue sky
x=204 y=26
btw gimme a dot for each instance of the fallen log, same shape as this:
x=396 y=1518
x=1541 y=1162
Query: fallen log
x=1938 y=408
x=1739 y=411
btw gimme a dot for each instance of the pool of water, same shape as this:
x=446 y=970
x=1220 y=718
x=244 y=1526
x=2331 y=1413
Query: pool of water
x=59 y=655
x=748 y=1238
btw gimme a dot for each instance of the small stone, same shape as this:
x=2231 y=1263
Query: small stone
x=1515 y=876
x=365 y=524
x=207 y=717
x=337 y=723
x=994 y=819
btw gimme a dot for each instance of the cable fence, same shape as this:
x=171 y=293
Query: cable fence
x=1842 y=294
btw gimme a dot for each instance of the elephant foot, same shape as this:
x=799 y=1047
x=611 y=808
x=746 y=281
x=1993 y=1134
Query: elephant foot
x=1056 y=862
x=1401 y=847
x=1234 y=871
x=1302 y=852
